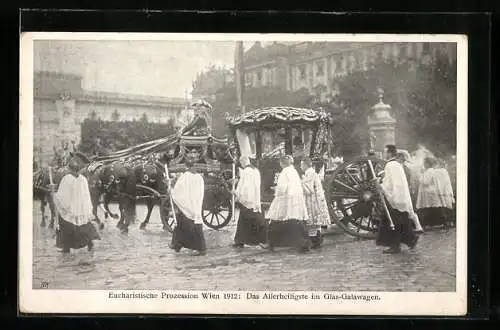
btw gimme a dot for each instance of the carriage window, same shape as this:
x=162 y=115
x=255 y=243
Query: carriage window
x=302 y=138
x=273 y=143
x=251 y=138
x=246 y=142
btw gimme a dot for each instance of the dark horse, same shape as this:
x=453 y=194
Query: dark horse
x=151 y=174
x=118 y=181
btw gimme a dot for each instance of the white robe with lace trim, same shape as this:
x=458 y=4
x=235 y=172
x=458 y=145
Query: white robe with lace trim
x=314 y=195
x=188 y=195
x=288 y=202
x=72 y=200
x=395 y=187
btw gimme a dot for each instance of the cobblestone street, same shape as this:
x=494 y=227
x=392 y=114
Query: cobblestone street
x=142 y=260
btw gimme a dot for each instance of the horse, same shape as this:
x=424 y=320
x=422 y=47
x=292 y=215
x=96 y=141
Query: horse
x=98 y=186
x=151 y=173
x=115 y=180
x=41 y=191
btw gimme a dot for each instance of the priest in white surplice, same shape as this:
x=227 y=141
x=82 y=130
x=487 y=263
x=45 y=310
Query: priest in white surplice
x=314 y=195
x=288 y=212
x=74 y=206
x=398 y=201
x=251 y=229
x=435 y=195
x=188 y=196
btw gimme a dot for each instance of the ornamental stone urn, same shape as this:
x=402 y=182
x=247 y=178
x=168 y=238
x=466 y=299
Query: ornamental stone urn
x=381 y=125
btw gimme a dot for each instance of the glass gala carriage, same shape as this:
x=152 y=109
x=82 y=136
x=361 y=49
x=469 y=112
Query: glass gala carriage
x=268 y=133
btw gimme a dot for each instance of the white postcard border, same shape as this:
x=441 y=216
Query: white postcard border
x=98 y=301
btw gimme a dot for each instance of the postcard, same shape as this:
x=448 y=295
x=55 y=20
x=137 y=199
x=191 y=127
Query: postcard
x=272 y=174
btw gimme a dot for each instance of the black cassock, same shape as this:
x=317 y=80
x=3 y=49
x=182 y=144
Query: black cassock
x=188 y=234
x=403 y=229
x=251 y=228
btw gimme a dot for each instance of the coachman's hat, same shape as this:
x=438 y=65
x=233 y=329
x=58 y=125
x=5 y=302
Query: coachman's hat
x=201 y=103
x=78 y=160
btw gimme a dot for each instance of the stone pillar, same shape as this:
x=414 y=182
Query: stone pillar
x=381 y=125
x=68 y=129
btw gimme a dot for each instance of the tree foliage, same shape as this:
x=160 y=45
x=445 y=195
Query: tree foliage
x=253 y=98
x=422 y=97
x=101 y=137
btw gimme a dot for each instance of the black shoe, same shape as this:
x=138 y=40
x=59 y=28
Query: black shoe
x=392 y=250
x=413 y=243
x=175 y=248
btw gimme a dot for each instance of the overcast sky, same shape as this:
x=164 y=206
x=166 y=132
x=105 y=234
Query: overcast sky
x=160 y=68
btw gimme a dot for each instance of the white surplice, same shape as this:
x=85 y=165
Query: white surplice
x=395 y=187
x=248 y=188
x=435 y=189
x=188 y=195
x=288 y=202
x=314 y=195
x=444 y=187
x=72 y=200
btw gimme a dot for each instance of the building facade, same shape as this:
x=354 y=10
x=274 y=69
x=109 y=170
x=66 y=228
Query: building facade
x=313 y=66
x=61 y=105
x=316 y=65
x=208 y=83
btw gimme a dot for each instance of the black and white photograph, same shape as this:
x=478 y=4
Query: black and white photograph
x=243 y=173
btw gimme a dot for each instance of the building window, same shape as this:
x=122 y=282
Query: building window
x=320 y=69
x=426 y=48
x=270 y=76
x=248 y=80
x=339 y=65
x=409 y=51
x=258 y=77
x=302 y=71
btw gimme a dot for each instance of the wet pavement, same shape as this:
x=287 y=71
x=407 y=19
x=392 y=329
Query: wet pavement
x=141 y=259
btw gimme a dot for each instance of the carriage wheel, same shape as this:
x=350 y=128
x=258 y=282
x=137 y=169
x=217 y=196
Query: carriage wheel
x=353 y=198
x=217 y=212
x=217 y=207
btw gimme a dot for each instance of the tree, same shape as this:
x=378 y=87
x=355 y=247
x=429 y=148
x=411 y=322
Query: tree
x=114 y=135
x=93 y=115
x=422 y=96
x=257 y=97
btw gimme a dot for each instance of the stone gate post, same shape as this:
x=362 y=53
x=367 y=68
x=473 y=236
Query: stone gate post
x=68 y=129
x=381 y=125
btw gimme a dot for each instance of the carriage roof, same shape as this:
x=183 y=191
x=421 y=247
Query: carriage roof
x=270 y=116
